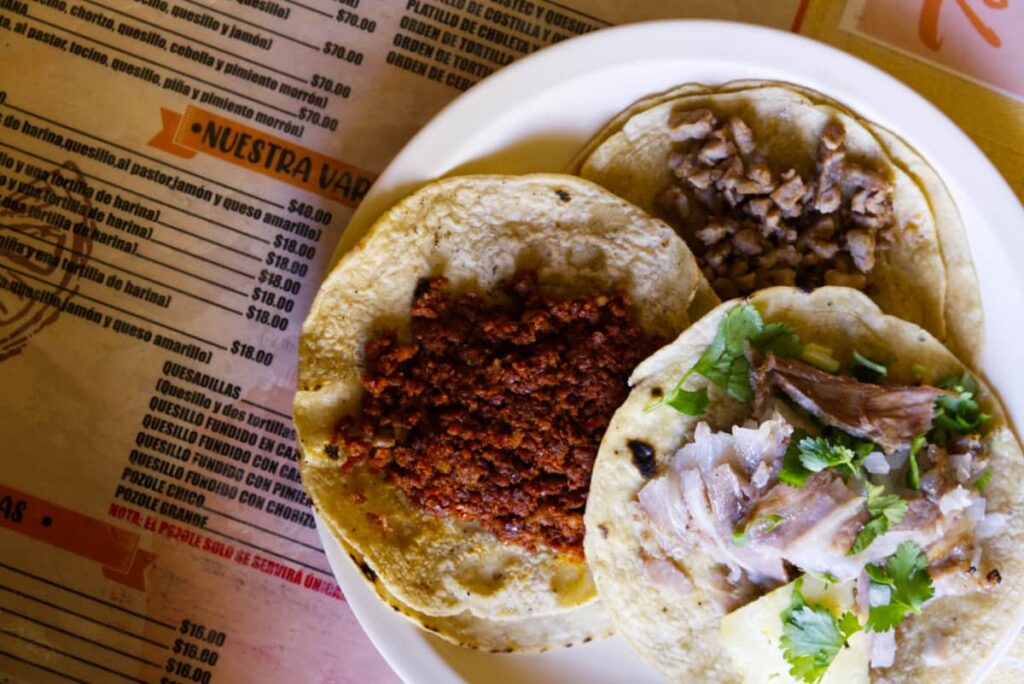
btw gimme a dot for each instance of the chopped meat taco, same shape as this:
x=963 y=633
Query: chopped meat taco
x=774 y=185
x=801 y=488
x=457 y=371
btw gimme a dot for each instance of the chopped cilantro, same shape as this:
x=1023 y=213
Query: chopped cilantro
x=834 y=449
x=958 y=414
x=766 y=522
x=884 y=510
x=914 y=473
x=812 y=636
x=906 y=575
x=918 y=370
x=866 y=370
x=724 y=362
x=793 y=471
x=688 y=402
x=780 y=339
x=982 y=480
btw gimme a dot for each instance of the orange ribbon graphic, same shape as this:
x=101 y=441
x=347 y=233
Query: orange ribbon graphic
x=198 y=130
x=928 y=22
x=117 y=550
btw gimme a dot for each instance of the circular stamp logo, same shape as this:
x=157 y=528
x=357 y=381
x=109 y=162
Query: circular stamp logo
x=45 y=243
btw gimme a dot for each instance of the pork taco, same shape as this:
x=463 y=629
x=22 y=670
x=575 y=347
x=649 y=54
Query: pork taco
x=457 y=370
x=774 y=185
x=802 y=488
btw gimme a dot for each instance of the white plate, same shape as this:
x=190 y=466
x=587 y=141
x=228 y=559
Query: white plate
x=534 y=115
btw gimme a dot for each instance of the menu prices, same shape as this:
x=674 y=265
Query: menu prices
x=173 y=177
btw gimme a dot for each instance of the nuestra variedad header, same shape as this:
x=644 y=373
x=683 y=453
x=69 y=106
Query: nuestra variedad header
x=198 y=130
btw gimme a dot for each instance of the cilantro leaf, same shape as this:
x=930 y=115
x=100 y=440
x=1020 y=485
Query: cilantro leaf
x=724 y=362
x=866 y=370
x=885 y=510
x=767 y=523
x=780 y=339
x=910 y=585
x=817 y=453
x=793 y=471
x=812 y=636
x=688 y=402
x=982 y=480
x=833 y=449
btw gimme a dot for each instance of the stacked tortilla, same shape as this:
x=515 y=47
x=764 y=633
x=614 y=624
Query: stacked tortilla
x=450 y=576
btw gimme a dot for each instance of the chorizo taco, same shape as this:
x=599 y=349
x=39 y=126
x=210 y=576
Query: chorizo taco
x=457 y=370
x=802 y=488
x=532 y=634
x=771 y=184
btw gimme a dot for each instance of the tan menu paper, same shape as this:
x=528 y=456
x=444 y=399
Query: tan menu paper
x=173 y=177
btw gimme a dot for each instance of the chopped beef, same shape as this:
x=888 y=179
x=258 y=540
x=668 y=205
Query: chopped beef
x=829 y=227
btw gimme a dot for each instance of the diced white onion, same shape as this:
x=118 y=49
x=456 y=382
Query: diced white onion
x=876 y=463
x=976 y=511
x=879 y=595
x=883 y=649
x=898 y=458
x=962 y=466
x=992 y=524
x=955 y=500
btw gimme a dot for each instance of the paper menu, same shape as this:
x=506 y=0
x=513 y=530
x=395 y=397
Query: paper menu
x=173 y=177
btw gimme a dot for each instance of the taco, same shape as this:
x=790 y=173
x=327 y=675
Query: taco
x=457 y=370
x=771 y=184
x=514 y=635
x=802 y=488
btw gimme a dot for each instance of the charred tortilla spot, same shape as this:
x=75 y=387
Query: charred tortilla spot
x=657 y=392
x=368 y=572
x=332 y=451
x=604 y=530
x=994 y=577
x=563 y=195
x=587 y=639
x=643 y=457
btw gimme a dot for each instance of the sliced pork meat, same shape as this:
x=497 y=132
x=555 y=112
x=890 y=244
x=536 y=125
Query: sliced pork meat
x=819 y=522
x=888 y=415
x=708 y=488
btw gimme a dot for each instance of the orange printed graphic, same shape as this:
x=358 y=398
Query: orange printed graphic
x=117 y=550
x=41 y=262
x=198 y=130
x=928 y=24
